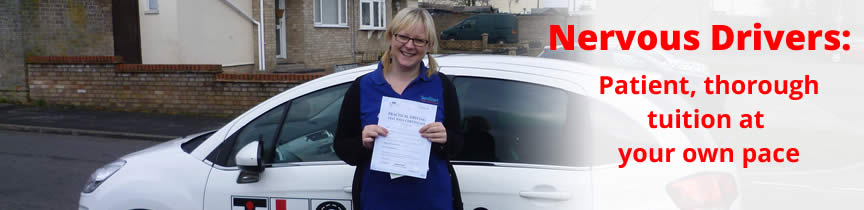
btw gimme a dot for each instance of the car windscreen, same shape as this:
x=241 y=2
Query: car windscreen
x=190 y=145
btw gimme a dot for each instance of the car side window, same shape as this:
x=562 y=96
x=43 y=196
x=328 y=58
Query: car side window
x=612 y=129
x=468 y=24
x=513 y=122
x=262 y=128
x=302 y=124
x=308 y=130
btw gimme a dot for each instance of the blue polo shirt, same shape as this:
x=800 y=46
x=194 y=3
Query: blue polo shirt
x=379 y=192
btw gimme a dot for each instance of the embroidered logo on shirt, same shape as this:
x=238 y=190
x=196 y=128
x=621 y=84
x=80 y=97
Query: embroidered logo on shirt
x=427 y=99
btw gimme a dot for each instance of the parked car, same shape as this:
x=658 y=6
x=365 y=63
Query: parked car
x=657 y=61
x=537 y=136
x=500 y=27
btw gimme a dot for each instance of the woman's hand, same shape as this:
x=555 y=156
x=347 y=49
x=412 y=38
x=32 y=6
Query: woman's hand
x=435 y=132
x=370 y=132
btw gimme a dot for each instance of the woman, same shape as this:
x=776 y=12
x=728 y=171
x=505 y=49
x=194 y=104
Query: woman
x=402 y=74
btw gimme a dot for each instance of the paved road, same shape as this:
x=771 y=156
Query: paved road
x=46 y=171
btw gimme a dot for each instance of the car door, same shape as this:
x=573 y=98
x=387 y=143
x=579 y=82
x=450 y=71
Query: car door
x=468 y=30
x=302 y=171
x=522 y=146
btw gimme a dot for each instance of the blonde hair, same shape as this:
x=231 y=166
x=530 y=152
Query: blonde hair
x=404 y=19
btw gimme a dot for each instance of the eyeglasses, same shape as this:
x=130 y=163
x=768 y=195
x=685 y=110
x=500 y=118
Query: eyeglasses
x=405 y=39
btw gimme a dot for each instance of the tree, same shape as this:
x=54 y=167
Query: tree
x=510 y=5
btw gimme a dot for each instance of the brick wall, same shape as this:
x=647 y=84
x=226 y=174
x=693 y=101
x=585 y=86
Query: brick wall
x=12 y=78
x=67 y=27
x=469 y=45
x=326 y=47
x=178 y=89
x=295 y=24
x=371 y=44
x=18 y=95
x=49 y=27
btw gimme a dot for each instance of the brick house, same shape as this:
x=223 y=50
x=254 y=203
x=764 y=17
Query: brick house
x=68 y=52
x=299 y=35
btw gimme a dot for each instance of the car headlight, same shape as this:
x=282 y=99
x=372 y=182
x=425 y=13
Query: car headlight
x=102 y=174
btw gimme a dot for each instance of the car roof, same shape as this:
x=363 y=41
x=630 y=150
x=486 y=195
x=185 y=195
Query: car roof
x=545 y=67
x=573 y=72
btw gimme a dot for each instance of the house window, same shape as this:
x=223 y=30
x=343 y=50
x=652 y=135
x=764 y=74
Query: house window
x=331 y=13
x=152 y=7
x=372 y=14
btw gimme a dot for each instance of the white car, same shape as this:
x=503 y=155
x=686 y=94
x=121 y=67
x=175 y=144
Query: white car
x=658 y=61
x=537 y=136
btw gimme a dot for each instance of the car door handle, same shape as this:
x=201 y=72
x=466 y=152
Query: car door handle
x=558 y=196
x=347 y=189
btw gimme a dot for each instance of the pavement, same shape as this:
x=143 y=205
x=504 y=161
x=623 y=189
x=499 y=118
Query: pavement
x=129 y=125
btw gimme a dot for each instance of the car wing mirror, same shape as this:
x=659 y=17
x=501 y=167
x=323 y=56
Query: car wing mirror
x=248 y=159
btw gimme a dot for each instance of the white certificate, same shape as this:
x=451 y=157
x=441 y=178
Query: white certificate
x=403 y=151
